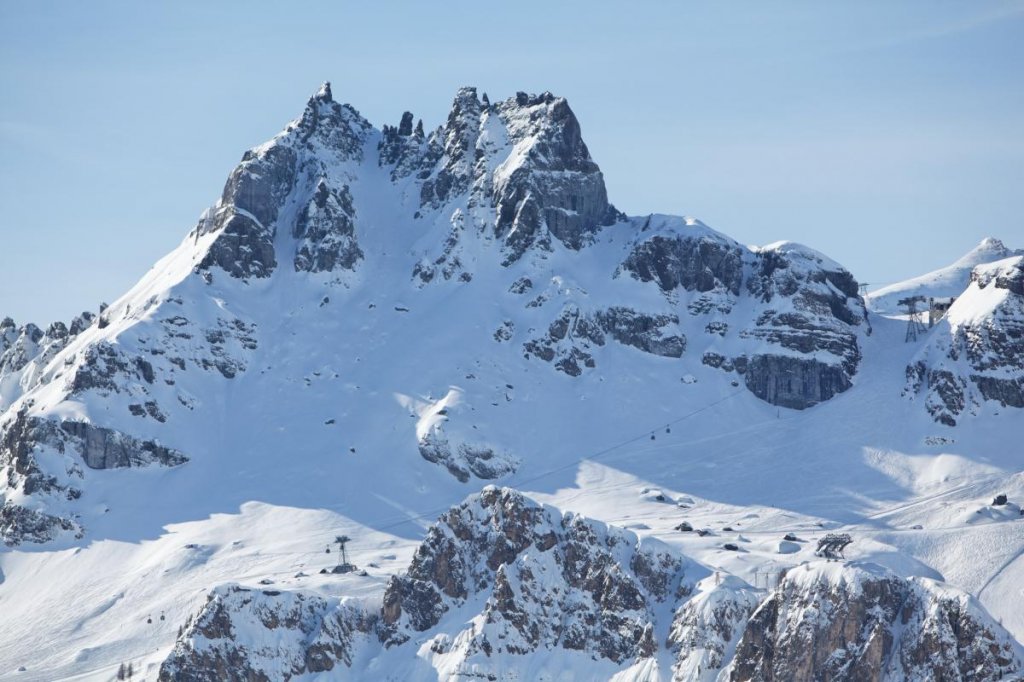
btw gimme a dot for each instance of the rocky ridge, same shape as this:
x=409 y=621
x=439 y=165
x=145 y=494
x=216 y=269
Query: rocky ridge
x=976 y=352
x=537 y=581
x=502 y=191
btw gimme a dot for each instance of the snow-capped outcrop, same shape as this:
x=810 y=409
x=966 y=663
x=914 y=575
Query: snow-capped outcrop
x=539 y=581
x=812 y=316
x=503 y=587
x=707 y=627
x=976 y=352
x=790 y=318
x=944 y=283
x=686 y=255
x=25 y=350
x=245 y=634
x=861 y=622
x=520 y=169
x=296 y=184
x=548 y=580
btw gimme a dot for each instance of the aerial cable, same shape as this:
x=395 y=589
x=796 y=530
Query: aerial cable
x=514 y=483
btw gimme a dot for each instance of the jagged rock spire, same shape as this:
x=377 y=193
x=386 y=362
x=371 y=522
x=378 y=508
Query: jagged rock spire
x=324 y=93
x=405 y=127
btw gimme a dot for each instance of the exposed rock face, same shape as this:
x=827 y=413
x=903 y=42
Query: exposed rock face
x=642 y=331
x=702 y=262
x=569 y=342
x=794 y=382
x=18 y=345
x=456 y=152
x=463 y=460
x=705 y=629
x=26 y=350
x=806 y=315
x=20 y=524
x=102 y=448
x=326 y=230
x=976 y=352
x=39 y=460
x=404 y=149
x=559 y=188
x=525 y=161
x=291 y=168
x=552 y=580
x=812 y=309
x=848 y=623
x=288 y=634
x=441 y=440
x=23 y=461
x=572 y=337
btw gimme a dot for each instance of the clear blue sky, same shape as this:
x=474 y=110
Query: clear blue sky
x=889 y=135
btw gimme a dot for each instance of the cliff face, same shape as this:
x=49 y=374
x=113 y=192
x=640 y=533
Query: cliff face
x=502 y=585
x=860 y=623
x=786 y=318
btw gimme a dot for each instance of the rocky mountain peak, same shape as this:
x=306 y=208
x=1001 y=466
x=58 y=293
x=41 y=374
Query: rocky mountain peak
x=324 y=93
x=988 y=249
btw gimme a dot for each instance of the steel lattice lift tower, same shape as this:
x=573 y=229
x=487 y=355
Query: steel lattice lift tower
x=344 y=566
x=914 y=324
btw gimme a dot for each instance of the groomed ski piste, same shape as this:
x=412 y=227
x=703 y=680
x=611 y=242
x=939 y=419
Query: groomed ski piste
x=319 y=436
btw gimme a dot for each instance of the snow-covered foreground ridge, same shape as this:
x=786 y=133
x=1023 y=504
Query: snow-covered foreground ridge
x=370 y=324
x=504 y=588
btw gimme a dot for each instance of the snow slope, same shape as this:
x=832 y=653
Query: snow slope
x=945 y=282
x=370 y=325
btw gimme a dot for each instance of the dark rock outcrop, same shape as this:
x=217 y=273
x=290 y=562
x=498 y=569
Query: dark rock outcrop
x=806 y=317
x=326 y=231
x=553 y=580
x=702 y=261
x=811 y=306
x=463 y=460
x=102 y=448
x=558 y=190
x=643 y=331
x=20 y=524
x=794 y=382
x=573 y=336
x=569 y=342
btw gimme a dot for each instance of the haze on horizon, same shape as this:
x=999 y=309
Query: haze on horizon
x=888 y=136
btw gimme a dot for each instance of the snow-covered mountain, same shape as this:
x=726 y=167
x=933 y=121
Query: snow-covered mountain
x=944 y=283
x=370 y=325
